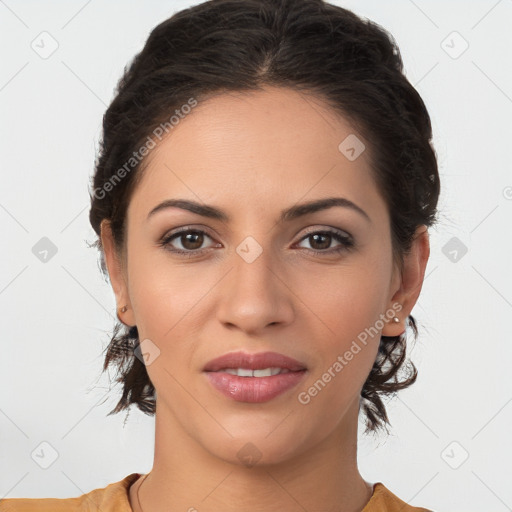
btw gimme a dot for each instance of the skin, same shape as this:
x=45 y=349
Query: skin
x=252 y=155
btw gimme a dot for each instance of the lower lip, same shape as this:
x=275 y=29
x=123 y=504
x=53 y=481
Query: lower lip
x=254 y=389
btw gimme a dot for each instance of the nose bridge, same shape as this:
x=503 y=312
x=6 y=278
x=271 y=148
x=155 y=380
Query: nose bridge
x=253 y=295
x=253 y=255
x=254 y=270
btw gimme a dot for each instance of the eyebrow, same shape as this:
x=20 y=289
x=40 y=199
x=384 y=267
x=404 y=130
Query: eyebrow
x=288 y=214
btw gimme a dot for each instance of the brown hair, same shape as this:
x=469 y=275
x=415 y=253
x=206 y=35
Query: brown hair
x=219 y=46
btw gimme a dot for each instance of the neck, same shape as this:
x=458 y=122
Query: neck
x=185 y=477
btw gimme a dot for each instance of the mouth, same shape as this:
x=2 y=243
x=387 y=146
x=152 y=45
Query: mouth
x=247 y=372
x=254 y=378
x=242 y=361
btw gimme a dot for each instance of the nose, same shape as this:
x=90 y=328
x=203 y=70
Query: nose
x=255 y=294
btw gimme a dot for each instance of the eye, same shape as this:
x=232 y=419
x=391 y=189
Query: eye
x=190 y=240
x=322 y=240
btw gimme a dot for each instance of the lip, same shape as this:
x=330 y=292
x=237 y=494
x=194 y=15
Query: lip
x=254 y=389
x=256 y=361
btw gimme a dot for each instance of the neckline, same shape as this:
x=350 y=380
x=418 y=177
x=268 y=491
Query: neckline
x=133 y=478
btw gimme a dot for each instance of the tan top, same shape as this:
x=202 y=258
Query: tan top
x=115 y=498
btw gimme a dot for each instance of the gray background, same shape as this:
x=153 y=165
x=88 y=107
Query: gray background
x=450 y=446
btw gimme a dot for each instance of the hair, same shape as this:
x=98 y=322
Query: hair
x=219 y=46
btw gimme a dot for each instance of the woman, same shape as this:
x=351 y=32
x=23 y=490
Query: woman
x=262 y=197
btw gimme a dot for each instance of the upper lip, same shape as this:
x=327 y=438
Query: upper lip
x=256 y=361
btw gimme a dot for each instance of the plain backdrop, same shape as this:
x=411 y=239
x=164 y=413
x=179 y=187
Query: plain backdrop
x=449 y=447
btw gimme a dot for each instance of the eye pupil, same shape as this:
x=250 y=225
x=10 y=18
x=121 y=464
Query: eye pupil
x=197 y=240
x=324 y=245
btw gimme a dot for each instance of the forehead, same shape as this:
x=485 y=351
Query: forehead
x=274 y=146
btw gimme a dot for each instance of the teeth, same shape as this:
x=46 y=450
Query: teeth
x=246 y=372
x=265 y=372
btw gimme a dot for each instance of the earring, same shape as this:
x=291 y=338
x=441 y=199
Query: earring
x=396 y=319
x=124 y=309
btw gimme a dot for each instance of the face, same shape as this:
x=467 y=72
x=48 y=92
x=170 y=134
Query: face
x=311 y=285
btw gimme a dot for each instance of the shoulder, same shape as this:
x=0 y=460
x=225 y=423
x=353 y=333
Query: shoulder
x=383 y=500
x=113 y=497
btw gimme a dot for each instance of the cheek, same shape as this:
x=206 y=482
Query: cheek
x=169 y=299
x=345 y=354
x=163 y=300
x=346 y=304
x=155 y=302
x=346 y=300
x=161 y=291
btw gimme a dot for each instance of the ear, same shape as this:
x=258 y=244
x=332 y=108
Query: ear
x=409 y=282
x=116 y=272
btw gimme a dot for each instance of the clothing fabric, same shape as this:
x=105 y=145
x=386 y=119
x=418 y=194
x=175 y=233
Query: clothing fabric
x=115 y=498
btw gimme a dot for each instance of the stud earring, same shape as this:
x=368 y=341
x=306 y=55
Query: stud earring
x=124 y=309
x=396 y=319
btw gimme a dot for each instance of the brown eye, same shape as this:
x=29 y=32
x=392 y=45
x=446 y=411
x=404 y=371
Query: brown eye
x=320 y=241
x=186 y=242
x=192 y=240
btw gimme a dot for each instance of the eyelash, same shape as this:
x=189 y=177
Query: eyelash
x=347 y=243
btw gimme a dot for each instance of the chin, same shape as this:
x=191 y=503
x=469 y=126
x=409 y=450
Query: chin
x=253 y=447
